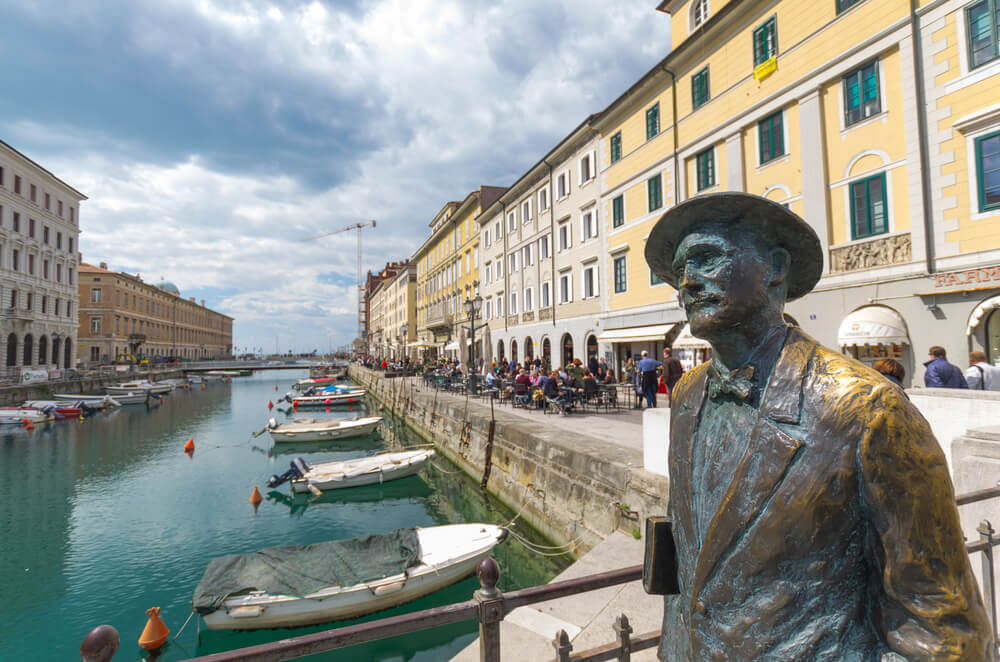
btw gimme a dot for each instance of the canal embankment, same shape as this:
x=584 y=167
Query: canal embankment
x=576 y=479
x=15 y=394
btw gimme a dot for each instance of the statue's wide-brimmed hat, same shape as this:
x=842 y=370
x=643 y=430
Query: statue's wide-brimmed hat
x=779 y=225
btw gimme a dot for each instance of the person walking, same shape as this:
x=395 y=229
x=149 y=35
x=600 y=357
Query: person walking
x=980 y=375
x=647 y=368
x=672 y=370
x=940 y=373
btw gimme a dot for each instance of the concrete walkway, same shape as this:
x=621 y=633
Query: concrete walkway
x=527 y=633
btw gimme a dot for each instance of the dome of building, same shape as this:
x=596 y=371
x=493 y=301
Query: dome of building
x=167 y=286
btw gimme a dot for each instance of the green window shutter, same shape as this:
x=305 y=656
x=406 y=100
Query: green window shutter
x=983 y=22
x=653 y=121
x=988 y=171
x=621 y=275
x=654 y=192
x=654 y=279
x=770 y=138
x=765 y=41
x=844 y=5
x=699 y=88
x=862 y=96
x=869 y=215
x=618 y=211
x=616 y=147
x=705 y=166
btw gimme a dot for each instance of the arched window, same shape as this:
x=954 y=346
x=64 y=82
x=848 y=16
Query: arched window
x=699 y=13
x=567 y=349
x=513 y=351
x=68 y=353
x=43 y=350
x=500 y=354
x=529 y=349
x=55 y=351
x=591 y=347
x=29 y=350
x=992 y=337
x=547 y=353
x=11 y=350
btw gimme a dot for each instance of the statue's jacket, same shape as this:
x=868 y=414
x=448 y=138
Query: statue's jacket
x=838 y=537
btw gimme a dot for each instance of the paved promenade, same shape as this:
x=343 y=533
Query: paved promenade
x=527 y=633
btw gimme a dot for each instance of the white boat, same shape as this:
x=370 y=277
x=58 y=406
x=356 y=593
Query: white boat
x=322 y=429
x=22 y=415
x=446 y=555
x=135 y=398
x=331 y=382
x=330 y=398
x=195 y=379
x=141 y=385
x=352 y=473
x=91 y=400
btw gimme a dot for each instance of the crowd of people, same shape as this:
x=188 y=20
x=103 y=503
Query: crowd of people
x=940 y=373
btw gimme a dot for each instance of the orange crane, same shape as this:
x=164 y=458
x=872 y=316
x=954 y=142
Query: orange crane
x=361 y=282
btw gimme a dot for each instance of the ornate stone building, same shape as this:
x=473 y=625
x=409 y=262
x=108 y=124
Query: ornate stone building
x=39 y=231
x=125 y=319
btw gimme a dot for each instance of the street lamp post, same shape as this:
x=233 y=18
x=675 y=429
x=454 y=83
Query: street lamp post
x=472 y=309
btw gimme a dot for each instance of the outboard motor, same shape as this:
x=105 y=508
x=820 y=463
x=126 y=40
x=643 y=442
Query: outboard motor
x=297 y=469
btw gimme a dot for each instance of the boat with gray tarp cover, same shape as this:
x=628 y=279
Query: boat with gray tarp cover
x=327 y=581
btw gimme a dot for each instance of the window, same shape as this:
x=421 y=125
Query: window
x=13 y=298
x=59 y=240
x=45 y=269
x=486 y=238
x=31 y=264
x=988 y=171
x=565 y=288
x=618 y=211
x=705 y=167
x=868 y=210
x=59 y=207
x=590 y=282
x=58 y=273
x=95 y=325
x=69 y=275
x=616 y=147
x=45 y=234
x=699 y=13
x=17 y=184
x=16 y=222
x=562 y=185
x=588 y=169
x=861 y=94
x=770 y=138
x=699 y=88
x=545 y=303
x=512 y=308
x=69 y=309
x=45 y=304
x=511 y=221
x=527 y=259
x=765 y=41
x=983 y=20
x=565 y=237
x=654 y=279
x=489 y=309
x=29 y=301
x=621 y=275
x=499 y=269
x=654 y=192
x=72 y=214
x=589 y=225
x=844 y=5
x=653 y=121
x=69 y=249
x=15 y=260
x=543 y=200
x=34 y=193
x=48 y=202
x=526 y=211
x=512 y=263
x=543 y=247
x=31 y=227
x=529 y=299
x=497 y=231
x=500 y=305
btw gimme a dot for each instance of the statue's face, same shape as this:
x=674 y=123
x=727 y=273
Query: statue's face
x=722 y=278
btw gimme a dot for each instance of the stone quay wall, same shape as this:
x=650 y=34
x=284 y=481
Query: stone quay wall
x=14 y=395
x=574 y=489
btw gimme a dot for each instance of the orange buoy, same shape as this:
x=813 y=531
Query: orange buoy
x=327 y=401
x=155 y=633
x=189 y=446
x=275 y=387
x=351 y=400
x=255 y=497
x=28 y=425
x=270 y=405
x=202 y=386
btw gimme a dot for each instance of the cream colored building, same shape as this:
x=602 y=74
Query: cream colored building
x=379 y=345
x=400 y=312
x=542 y=246
x=39 y=255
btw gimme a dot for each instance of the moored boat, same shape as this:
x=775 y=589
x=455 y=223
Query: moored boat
x=139 y=385
x=327 y=398
x=322 y=429
x=340 y=579
x=352 y=473
x=61 y=409
x=22 y=415
x=305 y=384
x=92 y=400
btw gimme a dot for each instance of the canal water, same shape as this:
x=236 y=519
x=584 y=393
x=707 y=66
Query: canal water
x=105 y=518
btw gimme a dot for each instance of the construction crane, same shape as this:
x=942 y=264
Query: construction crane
x=361 y=282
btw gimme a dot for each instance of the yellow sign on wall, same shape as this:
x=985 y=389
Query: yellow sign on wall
x=765 y=68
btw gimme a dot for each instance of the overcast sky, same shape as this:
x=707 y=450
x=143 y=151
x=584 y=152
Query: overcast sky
x=213 y=136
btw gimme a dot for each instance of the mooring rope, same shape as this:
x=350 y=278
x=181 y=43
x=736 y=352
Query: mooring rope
x=540 y=550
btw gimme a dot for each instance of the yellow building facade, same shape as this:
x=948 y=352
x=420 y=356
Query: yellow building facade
x=878 y=124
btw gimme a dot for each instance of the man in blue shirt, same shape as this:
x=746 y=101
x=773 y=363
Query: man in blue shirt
x=647 y=367
x=940 y=373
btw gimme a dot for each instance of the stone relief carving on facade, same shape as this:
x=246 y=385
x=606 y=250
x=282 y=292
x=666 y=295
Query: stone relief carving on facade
x=879 y=252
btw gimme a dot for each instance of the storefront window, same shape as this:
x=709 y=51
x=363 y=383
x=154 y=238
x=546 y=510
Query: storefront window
x=993 y=337
x=529 y=349
x=513 y=351
x=591 y=347
x=567 y=349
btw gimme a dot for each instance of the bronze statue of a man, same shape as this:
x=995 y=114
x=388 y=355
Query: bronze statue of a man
x=813 y=513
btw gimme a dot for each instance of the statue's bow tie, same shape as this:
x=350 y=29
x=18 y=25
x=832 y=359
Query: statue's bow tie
x=739 y=384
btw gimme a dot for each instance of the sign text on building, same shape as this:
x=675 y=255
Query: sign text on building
x=968 y=277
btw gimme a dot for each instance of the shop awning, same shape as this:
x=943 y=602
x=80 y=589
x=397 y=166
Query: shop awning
x=981 y=311
x=421 y=345
x=636 y=333
x=873 y=325
x=452 y=346
x=686 y=341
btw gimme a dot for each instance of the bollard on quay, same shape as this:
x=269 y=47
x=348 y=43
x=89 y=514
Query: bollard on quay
x=491 y=610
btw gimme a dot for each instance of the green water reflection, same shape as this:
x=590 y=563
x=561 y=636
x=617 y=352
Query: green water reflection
x=102 y=519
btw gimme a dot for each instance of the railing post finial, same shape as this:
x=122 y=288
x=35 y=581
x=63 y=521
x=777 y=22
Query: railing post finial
x=489 y=574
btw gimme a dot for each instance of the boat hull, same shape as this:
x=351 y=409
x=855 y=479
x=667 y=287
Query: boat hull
x=333 y=480
x=327 y=399
x=260 y=611
x=343 y=431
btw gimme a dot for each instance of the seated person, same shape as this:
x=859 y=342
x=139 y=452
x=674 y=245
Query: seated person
x=522 y=381
x=491 y=379
x=556 y=394
x=609 y=377
x=589 y=384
